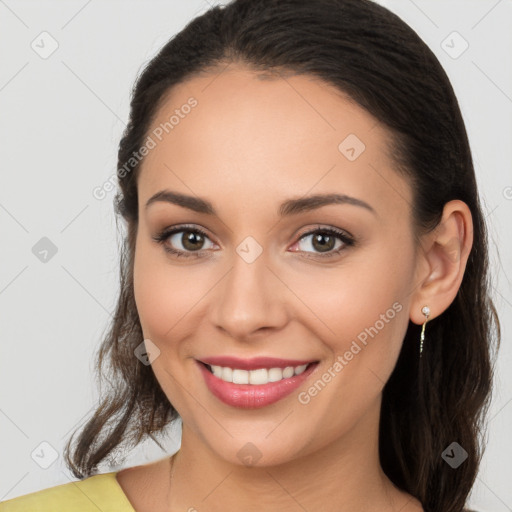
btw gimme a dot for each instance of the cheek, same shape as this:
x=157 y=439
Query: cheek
x=170 y=298
x=151 y=294
x=163 y=298
x=161 y=294
x=353 y=296
x=361 y=308
x=366 y=314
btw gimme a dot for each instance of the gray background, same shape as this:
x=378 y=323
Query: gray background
x=62 y=117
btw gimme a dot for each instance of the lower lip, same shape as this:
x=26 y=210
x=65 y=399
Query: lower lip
x=249 y=396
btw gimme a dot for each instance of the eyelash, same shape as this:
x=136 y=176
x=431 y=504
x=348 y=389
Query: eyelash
x=162 y=237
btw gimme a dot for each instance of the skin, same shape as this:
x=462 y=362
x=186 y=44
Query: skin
x=250 y=144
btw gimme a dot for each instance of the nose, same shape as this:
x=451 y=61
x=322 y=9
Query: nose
x=250 y=299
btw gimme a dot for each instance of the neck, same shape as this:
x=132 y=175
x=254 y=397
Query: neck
x=343 y=476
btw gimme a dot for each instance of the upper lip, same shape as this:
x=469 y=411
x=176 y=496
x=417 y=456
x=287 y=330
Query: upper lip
x=253 y=363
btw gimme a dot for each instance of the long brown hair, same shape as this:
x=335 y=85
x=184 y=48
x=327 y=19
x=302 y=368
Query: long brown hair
x=382 y=64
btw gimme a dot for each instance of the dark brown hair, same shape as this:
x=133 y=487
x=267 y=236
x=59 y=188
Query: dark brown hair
x=370 y=54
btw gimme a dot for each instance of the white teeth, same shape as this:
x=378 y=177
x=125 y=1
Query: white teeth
x=256 y=377
x=300 y=369
x=240 y=377
x=227 y=373
x=275 y=374
x=288 y=372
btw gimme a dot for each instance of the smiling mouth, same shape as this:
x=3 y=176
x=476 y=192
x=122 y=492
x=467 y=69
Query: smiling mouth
x=263 y=381
x=258 y=376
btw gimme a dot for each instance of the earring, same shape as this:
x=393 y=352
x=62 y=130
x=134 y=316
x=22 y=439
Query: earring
x=426 y=311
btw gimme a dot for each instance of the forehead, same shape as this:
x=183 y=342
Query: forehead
x=260 y=134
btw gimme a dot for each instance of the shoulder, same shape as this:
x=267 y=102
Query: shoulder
x=97 y=492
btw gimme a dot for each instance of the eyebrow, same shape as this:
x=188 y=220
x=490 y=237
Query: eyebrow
x=286 y=209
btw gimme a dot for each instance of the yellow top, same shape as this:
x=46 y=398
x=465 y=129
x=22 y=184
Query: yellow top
x=94 y=493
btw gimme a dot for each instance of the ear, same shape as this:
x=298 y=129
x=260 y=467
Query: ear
x=441 y=261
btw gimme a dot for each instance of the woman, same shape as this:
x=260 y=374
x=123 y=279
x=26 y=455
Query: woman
x=304 y=281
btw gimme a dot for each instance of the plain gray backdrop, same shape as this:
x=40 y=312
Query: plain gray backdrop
x=65 y=79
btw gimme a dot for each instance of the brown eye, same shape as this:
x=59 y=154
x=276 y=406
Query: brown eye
x=183 y=241
x=325 y=242
x=192 y=240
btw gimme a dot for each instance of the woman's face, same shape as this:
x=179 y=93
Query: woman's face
x=266 y=279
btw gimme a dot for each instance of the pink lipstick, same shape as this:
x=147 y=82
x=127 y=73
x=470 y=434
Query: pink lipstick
x=253 y=383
